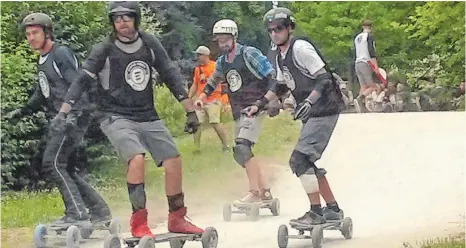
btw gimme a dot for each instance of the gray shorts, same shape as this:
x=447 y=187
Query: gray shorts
x=364 y=73
x=315 y=135
x=130 y=138
x=248 y=128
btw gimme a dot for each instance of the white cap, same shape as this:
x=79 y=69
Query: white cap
x=203 y=50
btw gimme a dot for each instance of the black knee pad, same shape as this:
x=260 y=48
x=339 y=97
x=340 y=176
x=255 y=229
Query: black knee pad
x=299 y=163
x=242 y=151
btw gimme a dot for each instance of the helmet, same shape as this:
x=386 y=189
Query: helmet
x=128 y=7
x=280 y=14
x=38 y=19
x=226 y=26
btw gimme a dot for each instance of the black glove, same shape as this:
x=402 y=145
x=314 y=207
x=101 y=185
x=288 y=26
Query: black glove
x=192 y=123
x=14 y=116
x=303 y=110
x=71 y=121
x=58 y=123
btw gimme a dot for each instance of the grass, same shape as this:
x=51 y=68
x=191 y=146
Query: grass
x=453 y=241
x=22 y=211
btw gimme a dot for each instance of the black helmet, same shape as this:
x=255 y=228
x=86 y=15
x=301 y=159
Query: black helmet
x=284 y=15
x=125 y=7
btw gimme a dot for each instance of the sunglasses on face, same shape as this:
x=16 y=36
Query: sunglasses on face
x=124 y=17
x=276 y=29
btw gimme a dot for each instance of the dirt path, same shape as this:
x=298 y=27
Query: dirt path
x=409 y=185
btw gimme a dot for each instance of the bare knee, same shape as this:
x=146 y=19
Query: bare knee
x=135 y=172
x=172 y=164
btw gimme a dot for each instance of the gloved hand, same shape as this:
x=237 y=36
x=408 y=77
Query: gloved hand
x=303 y=110
x=14 y=116
x=59 y=122
x=71 y=121
x=192 y=123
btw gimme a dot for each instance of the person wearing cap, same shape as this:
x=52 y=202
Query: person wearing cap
x=364 y=49
x=57 y=67
x=302 y=70
x=249 y=76
x=121 y=65
x=212 y=104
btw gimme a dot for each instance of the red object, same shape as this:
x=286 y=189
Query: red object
x=138 y=223
x=377 y=73
x=178 y=224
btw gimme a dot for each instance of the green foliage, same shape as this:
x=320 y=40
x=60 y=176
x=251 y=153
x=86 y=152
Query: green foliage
x=170 y=110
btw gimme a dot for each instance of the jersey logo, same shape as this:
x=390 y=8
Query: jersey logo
x=137 y=75
x=44 y=84
x=234 y=80
x=289 y=80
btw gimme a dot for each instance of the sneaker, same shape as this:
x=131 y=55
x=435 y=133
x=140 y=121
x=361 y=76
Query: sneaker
x=138 y=223
x=331 y=214
x=358 y=104
x=266 y=195
x=178 y=224
x=68 y=219
x=309 y=218
x=251 y=197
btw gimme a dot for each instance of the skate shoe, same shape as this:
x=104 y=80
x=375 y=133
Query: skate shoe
x=251 y=197
x=68 y=219
x=100 y=216
x=332 y=214
x=138 y=223
x=178 y=224
x=358 y=105
x=266 y=195
x=309 y=218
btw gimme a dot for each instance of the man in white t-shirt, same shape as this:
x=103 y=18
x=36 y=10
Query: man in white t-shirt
x=364 y=48
x=303 y=71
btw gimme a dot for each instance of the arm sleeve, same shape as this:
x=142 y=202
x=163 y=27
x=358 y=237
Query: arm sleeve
x=371 y=46
x=260 y=64
x=67 y=63
x=34 y=102
x=91 y=67
x=307 y=57
x=169 y=73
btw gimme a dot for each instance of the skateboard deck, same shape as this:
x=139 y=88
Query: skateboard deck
x=164 y=237
x=380 y=73
x=329 y=225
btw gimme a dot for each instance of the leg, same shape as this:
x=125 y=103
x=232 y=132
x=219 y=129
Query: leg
x=125 y=138
x=197 y=135
x=213 y=112
x=162 y=147
x=54 y=161
x=364 y=74
x=98 y=208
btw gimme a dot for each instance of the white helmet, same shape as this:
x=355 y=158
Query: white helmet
x=225 y=26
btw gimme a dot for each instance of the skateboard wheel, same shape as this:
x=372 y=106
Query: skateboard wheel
x=112 y=241
x=254 y=211
x=317 y=234
x=114 y=227
x=85 y=232
x=40 y=231
x=209 y=238
x=73 y=237
x=347 y=228
x=146 y=242
x=282 y=236
x=226 y=212
x=275 y=207
x=176 y=243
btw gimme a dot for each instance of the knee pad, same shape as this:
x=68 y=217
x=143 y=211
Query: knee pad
x=309 y=181
x=242 y=151
x=299 y=163
x=320 y=172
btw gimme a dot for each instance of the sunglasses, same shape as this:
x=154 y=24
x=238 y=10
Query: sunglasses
x=124 y=17
x=276 y=29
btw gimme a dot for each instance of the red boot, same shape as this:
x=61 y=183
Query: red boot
x=138 y=224
x=177 y=223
